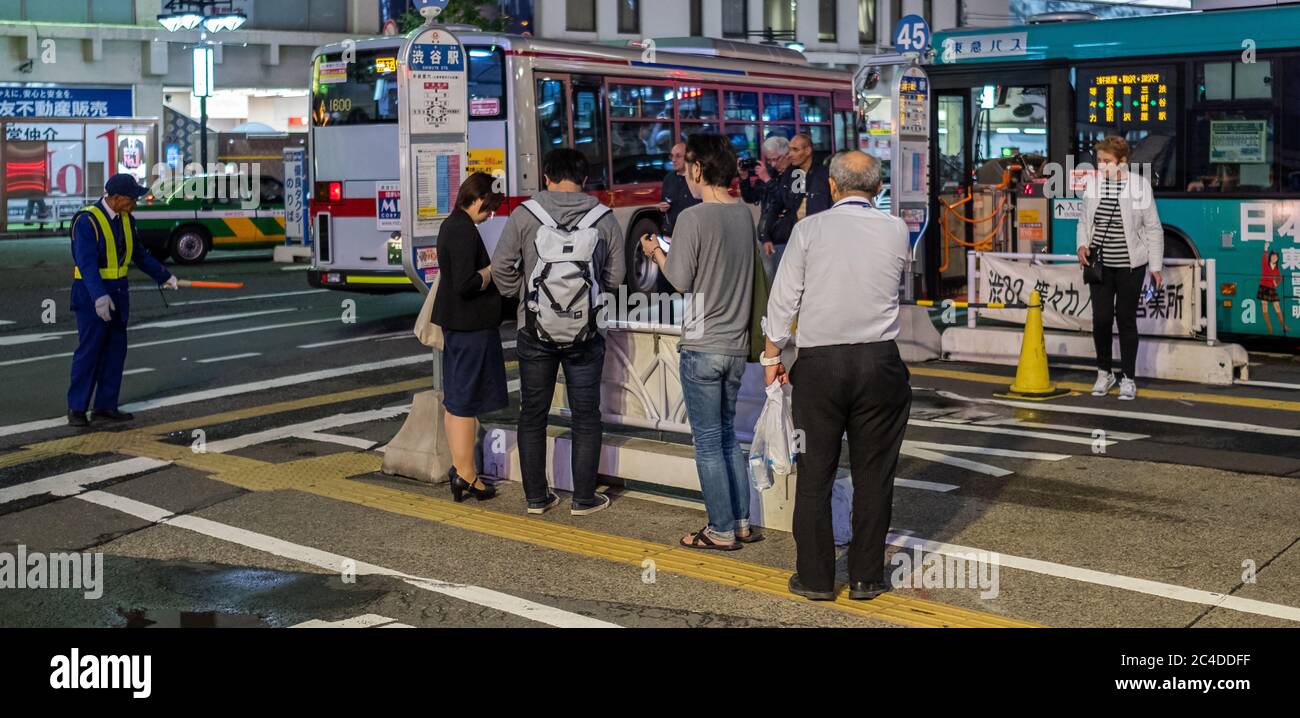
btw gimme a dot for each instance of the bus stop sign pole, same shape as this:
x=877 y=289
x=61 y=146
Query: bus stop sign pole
x=433 y=140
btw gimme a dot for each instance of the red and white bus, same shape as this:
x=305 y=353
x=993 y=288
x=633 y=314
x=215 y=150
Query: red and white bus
x=529 y=96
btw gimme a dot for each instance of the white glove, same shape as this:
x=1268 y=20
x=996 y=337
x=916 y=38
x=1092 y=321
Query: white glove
x=172 y=282
x=104 y=307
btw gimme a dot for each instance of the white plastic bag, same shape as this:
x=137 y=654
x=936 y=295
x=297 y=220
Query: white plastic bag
x=771 y=455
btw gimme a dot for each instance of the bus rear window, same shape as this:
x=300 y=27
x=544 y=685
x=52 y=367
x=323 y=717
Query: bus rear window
x=362 y=92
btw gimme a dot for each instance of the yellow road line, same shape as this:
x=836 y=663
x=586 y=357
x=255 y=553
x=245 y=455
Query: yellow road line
x=1241 y=401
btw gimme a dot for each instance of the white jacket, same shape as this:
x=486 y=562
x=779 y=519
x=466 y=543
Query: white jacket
x=1137 y=207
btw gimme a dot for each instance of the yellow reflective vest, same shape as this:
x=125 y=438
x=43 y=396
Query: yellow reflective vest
x=115 y=267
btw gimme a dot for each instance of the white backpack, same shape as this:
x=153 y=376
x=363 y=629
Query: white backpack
x=561 y=295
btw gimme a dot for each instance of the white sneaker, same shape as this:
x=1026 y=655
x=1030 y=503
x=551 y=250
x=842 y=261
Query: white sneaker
x=1128 y=389
x=1105 y=380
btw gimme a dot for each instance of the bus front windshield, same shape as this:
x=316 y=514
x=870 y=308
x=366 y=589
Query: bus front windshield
x=364 y=92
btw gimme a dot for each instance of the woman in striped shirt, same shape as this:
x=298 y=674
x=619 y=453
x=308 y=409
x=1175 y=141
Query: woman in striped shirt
x=1120 y=229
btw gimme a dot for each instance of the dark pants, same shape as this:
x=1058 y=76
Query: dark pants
x=1115 y=301
x=861 y=389
x=538 y=367
x=101 y=349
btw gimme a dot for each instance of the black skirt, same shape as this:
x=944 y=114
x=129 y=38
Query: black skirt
x=473 y=373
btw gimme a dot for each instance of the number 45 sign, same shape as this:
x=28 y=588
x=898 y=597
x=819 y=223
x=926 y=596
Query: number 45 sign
x=911 y=34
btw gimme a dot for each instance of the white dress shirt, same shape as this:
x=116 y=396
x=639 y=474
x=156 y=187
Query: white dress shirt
x=840 y=278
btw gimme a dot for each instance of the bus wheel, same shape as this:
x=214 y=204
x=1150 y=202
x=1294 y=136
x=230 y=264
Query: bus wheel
x=642 y=273
x=190 y=245
x=1178 y=246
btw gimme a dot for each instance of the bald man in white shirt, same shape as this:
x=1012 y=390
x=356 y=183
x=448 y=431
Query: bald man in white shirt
x=839 y=279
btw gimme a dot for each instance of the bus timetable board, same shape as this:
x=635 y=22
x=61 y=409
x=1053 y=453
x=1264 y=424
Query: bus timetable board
x=1127 y=98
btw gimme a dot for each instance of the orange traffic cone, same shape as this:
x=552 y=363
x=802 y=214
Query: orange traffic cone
x=1032 y=380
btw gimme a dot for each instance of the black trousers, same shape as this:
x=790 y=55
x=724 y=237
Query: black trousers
x=1115 y=301
x=539 y=365
x=861 y=389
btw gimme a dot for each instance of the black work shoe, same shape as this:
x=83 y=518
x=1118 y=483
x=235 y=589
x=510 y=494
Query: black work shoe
x=543 y=505
x=599 y=503
x=113 y=415
x=77 y=418
x=799 y=589
x=867 y=590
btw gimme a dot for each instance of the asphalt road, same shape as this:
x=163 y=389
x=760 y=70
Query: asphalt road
x=1175 y=510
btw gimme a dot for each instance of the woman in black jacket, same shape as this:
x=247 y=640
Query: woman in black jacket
x=468 y=308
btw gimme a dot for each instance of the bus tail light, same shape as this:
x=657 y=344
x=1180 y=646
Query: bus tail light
x=329 y=191
x=324 y=248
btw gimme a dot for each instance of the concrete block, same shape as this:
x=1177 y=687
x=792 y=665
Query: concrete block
x=288 y=254
x=420 y=451
x=1186 y=360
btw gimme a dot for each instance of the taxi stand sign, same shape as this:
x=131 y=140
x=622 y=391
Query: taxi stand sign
x=910 y=156
x=433 y=141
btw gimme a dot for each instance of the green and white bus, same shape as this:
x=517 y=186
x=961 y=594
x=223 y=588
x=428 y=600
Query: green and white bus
x=1209 y=100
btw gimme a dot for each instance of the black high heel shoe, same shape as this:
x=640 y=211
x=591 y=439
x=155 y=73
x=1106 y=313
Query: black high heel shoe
x=460 y=487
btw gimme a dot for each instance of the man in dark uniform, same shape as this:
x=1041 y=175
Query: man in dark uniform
x=676 y=194
x=103 y=247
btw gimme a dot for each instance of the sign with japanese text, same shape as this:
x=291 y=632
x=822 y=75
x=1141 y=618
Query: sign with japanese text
x=66 y=102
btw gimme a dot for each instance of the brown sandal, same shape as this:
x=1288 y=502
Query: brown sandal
x=700 y=540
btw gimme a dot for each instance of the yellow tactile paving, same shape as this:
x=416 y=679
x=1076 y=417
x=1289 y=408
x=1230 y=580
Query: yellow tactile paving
x=1249 y=402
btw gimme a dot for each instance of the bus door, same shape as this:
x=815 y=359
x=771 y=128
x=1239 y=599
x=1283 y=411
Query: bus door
x=571 y=113
x=993 y=142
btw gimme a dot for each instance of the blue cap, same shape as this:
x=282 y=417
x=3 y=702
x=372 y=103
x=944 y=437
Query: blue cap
x=125 y=185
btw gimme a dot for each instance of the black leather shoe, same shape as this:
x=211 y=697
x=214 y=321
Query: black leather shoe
x=801 y=590
x=113 y=415
x=77 y=418
x=867 y=590
x=461 y=487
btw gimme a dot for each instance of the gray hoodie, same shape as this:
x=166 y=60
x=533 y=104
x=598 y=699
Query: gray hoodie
x=515 y=255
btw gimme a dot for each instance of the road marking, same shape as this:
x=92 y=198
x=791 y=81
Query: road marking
x=296 y=268
x=1268 y=384
x=1004 y=432
x=369 y=620
x=510 y=344
x=1119 y=435
x=174 y=323
x=936 y=457
x=250 y=297
x=15 y=340
x=351 y=340
x=1239 y=401
x=232 y=357
x=142 y=370
x=1120 y=414
x=308 y=427
x=6 y=321
x=177 y=340
x=398 y=337
x=333 y=562
x=925 y=485
x=512 y=386
x=355 y=442
x=75 y=482
x=987 y=451
x=1101 y=578
x=232 y=390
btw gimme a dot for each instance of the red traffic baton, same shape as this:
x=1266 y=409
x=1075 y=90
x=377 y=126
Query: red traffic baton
x=209 y=285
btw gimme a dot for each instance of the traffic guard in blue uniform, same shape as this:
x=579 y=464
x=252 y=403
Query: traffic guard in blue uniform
x=103 y=247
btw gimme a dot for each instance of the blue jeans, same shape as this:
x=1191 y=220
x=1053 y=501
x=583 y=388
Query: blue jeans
x=710 y=384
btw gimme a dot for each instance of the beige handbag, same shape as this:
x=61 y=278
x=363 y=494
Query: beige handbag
x=426 y=331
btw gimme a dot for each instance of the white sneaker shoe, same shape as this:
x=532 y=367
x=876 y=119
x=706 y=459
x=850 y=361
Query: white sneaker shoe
x=1105 y=381
x=1128 y=389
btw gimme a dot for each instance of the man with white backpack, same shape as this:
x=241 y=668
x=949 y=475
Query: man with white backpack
x=558 y=253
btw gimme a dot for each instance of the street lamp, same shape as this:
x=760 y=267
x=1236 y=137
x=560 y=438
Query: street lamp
x=203 y=81
x=214 y=16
